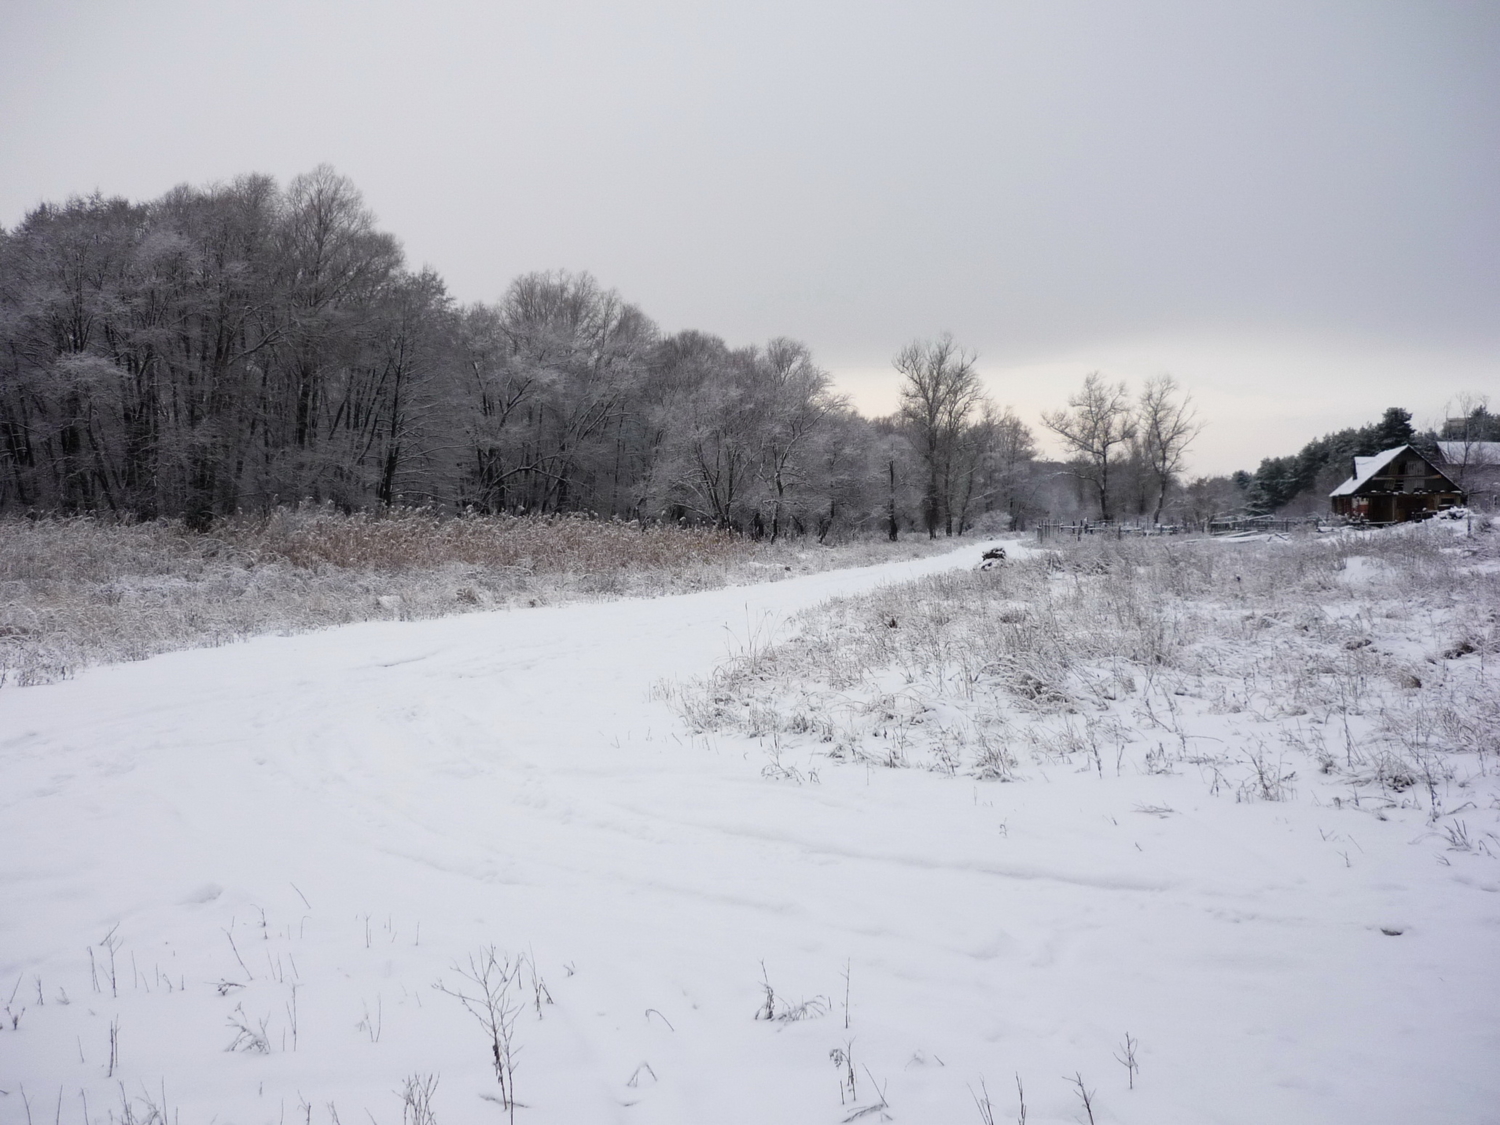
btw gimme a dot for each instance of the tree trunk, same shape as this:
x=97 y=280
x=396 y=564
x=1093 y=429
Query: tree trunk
x=891 y=501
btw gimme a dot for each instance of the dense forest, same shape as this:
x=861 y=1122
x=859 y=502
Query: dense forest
x=245 y=346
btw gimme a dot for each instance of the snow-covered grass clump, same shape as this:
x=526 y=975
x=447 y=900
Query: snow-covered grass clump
x=1372 y=660
x=84 y=591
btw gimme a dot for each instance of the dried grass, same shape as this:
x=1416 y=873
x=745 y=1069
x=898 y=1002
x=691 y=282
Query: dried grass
x=1378 y=669
x=83 y=591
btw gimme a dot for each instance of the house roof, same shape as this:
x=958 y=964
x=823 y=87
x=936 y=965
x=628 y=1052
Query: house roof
x=1470 y=453
x=1367 y=467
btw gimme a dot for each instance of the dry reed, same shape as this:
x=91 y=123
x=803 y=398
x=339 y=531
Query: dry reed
x=82 y=591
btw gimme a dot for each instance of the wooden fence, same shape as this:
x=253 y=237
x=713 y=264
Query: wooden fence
x=1049 y=530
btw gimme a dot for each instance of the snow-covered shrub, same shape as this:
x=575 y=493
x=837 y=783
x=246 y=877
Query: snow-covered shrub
x=1211 y=648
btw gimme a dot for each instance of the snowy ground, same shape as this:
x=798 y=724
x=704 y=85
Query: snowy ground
x=230 y=881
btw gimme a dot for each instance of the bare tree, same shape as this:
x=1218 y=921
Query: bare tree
x=844 y=473
x=992 y=456
x=892 y=472
x=722 y=444
x=1166 y=425
x=969 y=463
x=709 y=419
x=1007 y=463
x=552 y=371
x=493 y=392
x=797 y=403
x=940 y=392
x=1464 y=434
x=1097 y=422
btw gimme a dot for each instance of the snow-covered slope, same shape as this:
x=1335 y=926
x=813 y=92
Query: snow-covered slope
x=230 y=881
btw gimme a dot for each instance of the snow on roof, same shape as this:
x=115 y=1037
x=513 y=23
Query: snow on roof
x=1470 y=452
x=1367 y=467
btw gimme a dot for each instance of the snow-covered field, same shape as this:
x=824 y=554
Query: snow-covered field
x=244 y=884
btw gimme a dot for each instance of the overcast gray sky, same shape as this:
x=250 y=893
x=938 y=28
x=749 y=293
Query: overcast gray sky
x=1294 y=207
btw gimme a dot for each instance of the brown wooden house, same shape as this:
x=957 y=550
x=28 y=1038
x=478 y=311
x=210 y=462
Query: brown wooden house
x=1393 y=486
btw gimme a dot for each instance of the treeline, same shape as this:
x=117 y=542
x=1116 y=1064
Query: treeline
x=239 y=347
x=1305 y=478
x=1320 y=465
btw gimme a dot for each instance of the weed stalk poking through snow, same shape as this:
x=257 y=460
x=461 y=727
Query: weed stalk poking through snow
x=1126 y=1057
x=1085 y=1095
x=416 y=1099
x=489 y=979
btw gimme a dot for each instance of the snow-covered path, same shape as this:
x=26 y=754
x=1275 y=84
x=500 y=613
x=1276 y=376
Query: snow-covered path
x=351 y=812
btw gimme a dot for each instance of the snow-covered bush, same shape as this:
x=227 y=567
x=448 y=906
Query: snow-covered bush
x=1368 y=653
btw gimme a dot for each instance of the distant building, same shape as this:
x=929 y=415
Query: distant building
x=1475 y=465
x=1393 y=486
